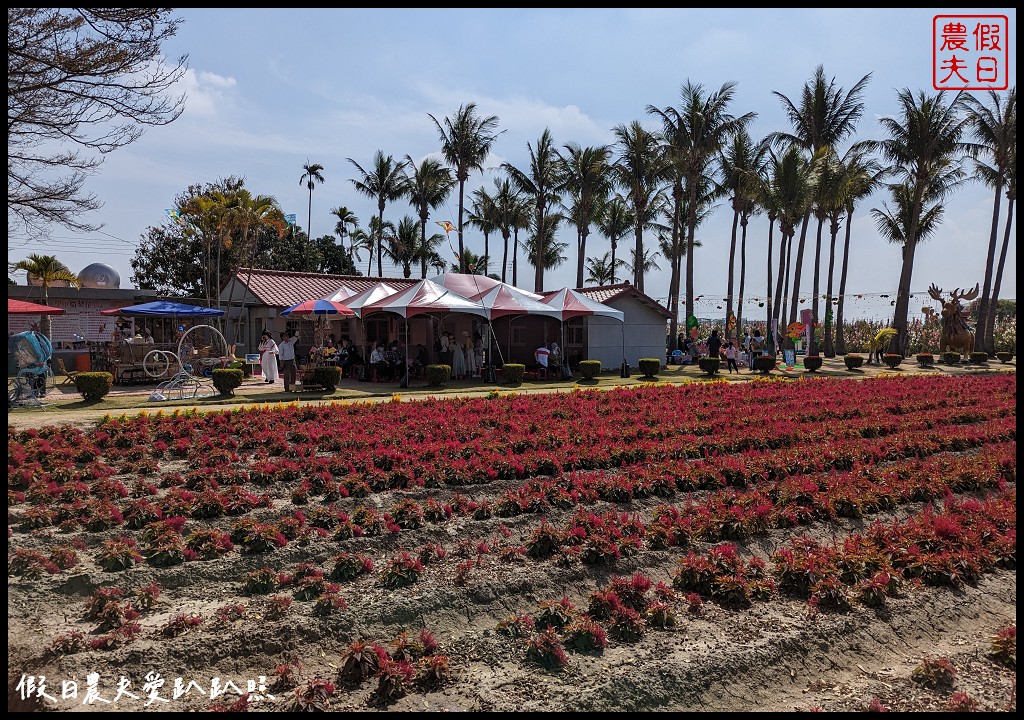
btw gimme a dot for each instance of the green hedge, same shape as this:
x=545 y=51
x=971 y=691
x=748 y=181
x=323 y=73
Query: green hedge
x=709 y=365
x=227 y=379
x=925 y=358
x=513 y=373
x=327 y=376
x=590 y=369
x=951 y=358
x=438 y=374
x=94 y=385
x=979 y=357
x=1004 y=357
x=649 y=367
x=812 y=363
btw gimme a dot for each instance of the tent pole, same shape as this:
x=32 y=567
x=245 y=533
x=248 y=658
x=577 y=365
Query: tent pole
x=625 y=365
x=405 y=379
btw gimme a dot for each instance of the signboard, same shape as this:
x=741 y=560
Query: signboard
x=252 y=358
x=789 y=357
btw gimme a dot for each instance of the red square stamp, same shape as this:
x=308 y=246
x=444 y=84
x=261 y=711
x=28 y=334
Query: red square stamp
x=970 y=52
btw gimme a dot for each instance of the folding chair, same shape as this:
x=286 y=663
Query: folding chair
x=69 y=375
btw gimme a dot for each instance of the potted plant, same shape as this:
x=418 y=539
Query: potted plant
x=892 y=360
x=951 y=358
x=812 y=363
x=649 y=367
x=853 y=361
x=979 y=358
x=709 y=365
x=925 y=359
x=764 y=363
x=1004 y=357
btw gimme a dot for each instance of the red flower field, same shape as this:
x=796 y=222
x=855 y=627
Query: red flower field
x=822 y=544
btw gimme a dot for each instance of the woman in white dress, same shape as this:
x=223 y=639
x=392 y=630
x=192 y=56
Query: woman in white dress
x=268 y=357
x=469 y=354
x=458 y=361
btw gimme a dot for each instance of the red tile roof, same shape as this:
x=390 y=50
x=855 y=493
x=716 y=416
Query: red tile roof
x=280 y=288
x=606 y=293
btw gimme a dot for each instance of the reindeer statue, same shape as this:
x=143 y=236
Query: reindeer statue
x=956 y=333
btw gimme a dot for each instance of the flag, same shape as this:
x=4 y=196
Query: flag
x=290 y=219
x=173 y=215
x=447 y=226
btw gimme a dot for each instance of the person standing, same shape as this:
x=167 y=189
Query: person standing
x=458 y=360
x=268 y=357
x=756 y=347
x=731 y=351
x=286 y=351
x=714 y=344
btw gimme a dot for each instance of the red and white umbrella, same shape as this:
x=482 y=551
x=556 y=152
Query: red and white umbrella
x=311 y=309
x=23 y=307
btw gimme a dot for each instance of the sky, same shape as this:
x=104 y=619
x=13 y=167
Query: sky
x=269 y=91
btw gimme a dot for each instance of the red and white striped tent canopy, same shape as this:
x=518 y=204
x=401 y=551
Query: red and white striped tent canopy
x=571 y=304
x=368 y=296
x=504 y=300
x=425 y=298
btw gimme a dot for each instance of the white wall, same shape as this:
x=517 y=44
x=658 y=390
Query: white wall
x=645 y=332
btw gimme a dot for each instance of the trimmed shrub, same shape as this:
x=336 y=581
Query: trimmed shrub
x=709 y=365
x=853 y=361
x=812 y=363
x=892 y=360
x=513 y=373
x=226 y=380
x=649 y=367
x=925 y=358
x=94 y=385
x=764 y=363
x=1004 y=357
x=979 y=357
x=590 y=369
x=327 y=376
x=438 y=374
x=951 y=358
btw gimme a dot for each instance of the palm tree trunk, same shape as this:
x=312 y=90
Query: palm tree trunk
x=581 y=251
x=770 y=340
x=900 y=340
x=991 y=317
x=785 y=285
x=462 y=246
x=840 y=334
x=309 y=217
x=614 y=244
x=812 y=346
x=487 y=252
x=984 y=307
x=538 y=251
x=515 y=258
x=504 y=254
x=797 y=269
x=830 y=350
x=743 y=274
x=380 y=243
x=673 y=299
x=638 y=271
x=732 y=264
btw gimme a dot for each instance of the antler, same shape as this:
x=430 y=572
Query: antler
x=935 y=292
x=966 y=296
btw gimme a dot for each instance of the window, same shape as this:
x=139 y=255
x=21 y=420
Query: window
x=517 y=336
x=376 y=330
x=575 y=334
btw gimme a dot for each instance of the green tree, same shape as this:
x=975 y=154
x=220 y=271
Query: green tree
x=639 y=170
x=46 y=270
x=822 y=118
x=429 y=185
x=311 y=175
x=615 y=220
x=347 y=223
x=994 y=126
x=600 y=271
x=694 y=135
x=506 y=206
x=541 y=183
x=466 y=141
x=384 y=182
x=483 y=216
x=587 y=177
x=403 y=245
x=924 y=149
x=81 y=82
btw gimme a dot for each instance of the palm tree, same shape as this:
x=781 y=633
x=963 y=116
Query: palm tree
x=429 y=185
x=427 y=253
x=924 y=149
x=588 y=179
x=1011 y=200
x=466 y=142
x=506 y=206
x=995 y=127
x=474 y=264
x=346 y=219
x=742 y=161
x=254 y=214
x=362 y=240
x=403 y=246
x=384 y=182
x=614 y=221
x=824 y=117
x=521 y=219
x=542 y=184
x=639 y=171
x=861 y=175
x=379 y=231
x=47 y=270
x=790 y=179
x=826 y=201
x=311 y=174
x=482 y=215
x=600 y=271
x=649 y=262
x=694 y=135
